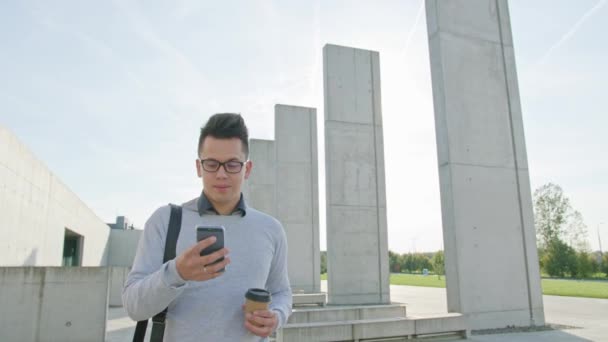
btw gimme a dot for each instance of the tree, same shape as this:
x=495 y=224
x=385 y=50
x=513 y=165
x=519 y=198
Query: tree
x=323 y=262
x=560 y=259
x=584 y=264
x=394 y=262
x=551 y=210
x=555 y=218
x=604 y=266
x=438 y=262
x=408 y=262
x=424 y=262
x=576 y=232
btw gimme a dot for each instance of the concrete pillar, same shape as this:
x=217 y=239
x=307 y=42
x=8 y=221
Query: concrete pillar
x=298 y=193
x=357 y=247
x=492 y=266
x=260 y=189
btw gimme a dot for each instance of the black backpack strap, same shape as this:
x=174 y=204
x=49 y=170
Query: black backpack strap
x=158 y=321
x=175 y=224
x=140 y=331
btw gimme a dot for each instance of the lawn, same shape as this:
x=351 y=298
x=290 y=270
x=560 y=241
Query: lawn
x=417 y=280
x=575 y=288
x=554 y=287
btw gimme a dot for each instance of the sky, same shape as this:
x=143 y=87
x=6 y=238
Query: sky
x=111 y=95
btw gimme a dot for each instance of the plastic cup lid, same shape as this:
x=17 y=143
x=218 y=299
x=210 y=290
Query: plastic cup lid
x=258 y=295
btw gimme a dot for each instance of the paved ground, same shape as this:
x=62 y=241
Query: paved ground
x=588 y=316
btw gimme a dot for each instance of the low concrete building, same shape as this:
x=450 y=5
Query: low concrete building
x=47 y=224
x=53 y=304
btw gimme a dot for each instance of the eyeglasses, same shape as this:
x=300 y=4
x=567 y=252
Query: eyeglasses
x=231 y=166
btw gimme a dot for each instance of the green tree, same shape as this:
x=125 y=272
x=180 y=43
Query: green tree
x=424 y=262
x=408 y=262
x=560 y=259
x=596 y=265
x=576 y=232
x=551 y=209
x=323 y=262
x=438 y=262
x=394 y=262
x=604 y=266
x=584 y=264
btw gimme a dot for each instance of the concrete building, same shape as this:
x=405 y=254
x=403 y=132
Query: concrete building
x=492 y=266
x=45 y=222
x=46 y=226
x=357 y=245
x=297 y=193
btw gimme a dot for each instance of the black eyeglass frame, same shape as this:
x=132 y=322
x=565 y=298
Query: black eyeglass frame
x=222 y=164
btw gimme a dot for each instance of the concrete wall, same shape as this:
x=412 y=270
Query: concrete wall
x=298 y=193
x=260 y=188
x=123 y=245
x=492 y=266
x=36 y=208
x=118 y=276
x=357 y=247
x=53 y=303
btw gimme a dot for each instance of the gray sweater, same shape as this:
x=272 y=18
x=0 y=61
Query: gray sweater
x=209 y=310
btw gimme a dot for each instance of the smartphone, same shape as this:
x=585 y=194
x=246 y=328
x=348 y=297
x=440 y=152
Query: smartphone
x=205 y=231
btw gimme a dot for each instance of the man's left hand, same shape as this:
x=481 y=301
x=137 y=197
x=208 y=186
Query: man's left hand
x=261 y=322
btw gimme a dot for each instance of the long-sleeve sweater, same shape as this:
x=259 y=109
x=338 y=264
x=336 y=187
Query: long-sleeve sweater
x=209 y=310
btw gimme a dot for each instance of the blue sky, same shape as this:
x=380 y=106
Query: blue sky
x=110 y=95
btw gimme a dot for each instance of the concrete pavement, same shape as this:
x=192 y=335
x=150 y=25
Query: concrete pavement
x=587 y=316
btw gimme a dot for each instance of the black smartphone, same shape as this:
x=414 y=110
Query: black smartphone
x=205 y=231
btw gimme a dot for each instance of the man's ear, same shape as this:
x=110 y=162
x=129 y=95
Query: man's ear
x=248 y=167
x=199 y=170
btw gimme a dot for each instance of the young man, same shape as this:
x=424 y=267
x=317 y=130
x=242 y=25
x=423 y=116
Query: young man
x=203 y=303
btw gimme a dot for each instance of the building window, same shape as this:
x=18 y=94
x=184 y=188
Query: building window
x=72 y=248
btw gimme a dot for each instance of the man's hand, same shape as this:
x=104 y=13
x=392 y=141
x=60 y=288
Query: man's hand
x=192 y=266
x=261 y=322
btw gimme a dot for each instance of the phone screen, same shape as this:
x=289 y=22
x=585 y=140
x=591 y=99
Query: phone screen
x=204 y=232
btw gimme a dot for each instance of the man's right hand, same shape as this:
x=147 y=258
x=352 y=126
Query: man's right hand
x=192 y=266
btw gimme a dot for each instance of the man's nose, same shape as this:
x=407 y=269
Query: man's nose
x=221 y=172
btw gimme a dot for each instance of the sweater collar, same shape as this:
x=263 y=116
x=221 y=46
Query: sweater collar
x=204 y=206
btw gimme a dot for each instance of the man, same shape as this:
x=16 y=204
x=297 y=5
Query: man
x=205 y=304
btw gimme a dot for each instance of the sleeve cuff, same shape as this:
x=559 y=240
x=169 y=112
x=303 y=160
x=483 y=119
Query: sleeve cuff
x=280 y=318
x=170 y=275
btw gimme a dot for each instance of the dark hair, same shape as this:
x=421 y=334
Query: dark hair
x=225 y=126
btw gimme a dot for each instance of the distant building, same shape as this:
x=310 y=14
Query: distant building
x=122 y=222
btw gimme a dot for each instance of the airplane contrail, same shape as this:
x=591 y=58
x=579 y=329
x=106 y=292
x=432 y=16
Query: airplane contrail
x=572 y=30
x=410 y=34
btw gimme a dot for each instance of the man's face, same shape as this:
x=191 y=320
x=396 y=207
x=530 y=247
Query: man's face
x=223 y=188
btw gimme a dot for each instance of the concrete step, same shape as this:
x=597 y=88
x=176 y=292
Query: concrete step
x=302 y=299
x=346 y=313
x=386 y=329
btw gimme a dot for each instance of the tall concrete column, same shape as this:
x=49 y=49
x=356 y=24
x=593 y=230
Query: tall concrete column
x=260 y=188
x=357 y=247
x=492 y=266
x=298 y=193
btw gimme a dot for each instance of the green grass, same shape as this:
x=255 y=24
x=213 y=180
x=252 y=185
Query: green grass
x=575 y=288
x=417 y=280
x=554 y=287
